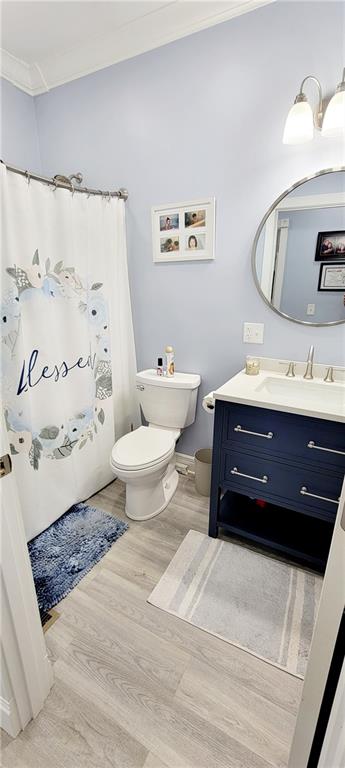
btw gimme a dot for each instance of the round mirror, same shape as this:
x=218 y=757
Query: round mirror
x=298 y=254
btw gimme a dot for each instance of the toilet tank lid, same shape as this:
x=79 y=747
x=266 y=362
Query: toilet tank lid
x=178 y=381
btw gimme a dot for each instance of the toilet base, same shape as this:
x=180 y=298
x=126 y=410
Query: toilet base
x=153 y=497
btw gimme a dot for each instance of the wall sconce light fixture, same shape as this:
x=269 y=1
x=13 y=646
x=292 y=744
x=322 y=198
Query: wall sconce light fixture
x=301 y=120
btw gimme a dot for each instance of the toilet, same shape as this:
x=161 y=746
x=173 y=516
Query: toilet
x=144 y=458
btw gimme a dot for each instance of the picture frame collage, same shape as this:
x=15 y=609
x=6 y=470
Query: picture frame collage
x=330 y=251
x=184 y=231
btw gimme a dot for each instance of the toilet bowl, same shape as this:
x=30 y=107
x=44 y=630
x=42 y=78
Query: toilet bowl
x=143 y=459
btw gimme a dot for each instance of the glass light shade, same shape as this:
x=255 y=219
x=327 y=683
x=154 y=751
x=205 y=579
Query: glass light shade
x=334 y=119
x=299 y=126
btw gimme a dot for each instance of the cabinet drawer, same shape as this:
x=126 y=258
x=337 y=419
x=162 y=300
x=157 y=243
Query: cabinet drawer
x=317 y=441
x=266 y=479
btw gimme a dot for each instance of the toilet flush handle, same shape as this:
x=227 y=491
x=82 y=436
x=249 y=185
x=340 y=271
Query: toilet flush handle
x=141 y=387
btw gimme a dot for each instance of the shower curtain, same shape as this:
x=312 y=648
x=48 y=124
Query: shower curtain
x=68 y=365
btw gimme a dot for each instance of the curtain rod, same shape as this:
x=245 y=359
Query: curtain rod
x=66 y=182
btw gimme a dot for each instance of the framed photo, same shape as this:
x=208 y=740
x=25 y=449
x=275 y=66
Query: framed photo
x=332 y=277
x=184 y=231
x=330 y=245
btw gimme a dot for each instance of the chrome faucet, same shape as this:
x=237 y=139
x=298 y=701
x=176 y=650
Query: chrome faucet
x=309 y=369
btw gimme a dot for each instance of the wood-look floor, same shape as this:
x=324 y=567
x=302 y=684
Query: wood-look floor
x=138 y=688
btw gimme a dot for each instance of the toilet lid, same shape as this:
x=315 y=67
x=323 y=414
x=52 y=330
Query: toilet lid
x=142 y=448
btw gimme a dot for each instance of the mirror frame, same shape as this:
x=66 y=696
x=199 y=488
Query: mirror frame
x=336 y=169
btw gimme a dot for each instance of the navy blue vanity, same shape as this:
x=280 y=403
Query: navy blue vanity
x=276 y=479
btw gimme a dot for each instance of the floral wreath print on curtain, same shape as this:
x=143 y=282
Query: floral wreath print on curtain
x=52 y=441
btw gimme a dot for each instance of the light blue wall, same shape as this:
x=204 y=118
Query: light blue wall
x=203 y=116
x=19 y=138
x=301 y=274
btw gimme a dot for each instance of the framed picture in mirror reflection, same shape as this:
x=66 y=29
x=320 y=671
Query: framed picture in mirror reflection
x=332 y=277
x=330 y=245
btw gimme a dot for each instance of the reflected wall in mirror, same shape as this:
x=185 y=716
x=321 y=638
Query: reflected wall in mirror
x=301 y=234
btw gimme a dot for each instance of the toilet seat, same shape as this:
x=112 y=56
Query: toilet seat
x=145 y=447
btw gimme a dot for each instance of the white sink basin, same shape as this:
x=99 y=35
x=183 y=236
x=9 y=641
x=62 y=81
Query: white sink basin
x=272 y=389
x=296 y=391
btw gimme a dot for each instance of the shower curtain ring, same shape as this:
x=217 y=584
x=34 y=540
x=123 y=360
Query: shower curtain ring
x=109 y=197
x=28 y=177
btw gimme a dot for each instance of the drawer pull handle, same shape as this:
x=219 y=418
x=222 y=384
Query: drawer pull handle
x=304 y=491
x=267 y=435
x=311 y=444
x=263 y=479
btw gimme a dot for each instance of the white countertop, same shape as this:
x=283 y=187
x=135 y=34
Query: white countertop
x=272 y=389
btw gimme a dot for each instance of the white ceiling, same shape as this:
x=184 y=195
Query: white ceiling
x=47 y=43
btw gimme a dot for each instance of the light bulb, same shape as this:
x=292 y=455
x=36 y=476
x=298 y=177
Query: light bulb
x=299 y=126
x=334 y=119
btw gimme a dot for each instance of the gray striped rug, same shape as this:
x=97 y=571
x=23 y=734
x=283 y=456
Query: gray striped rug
x=260 y=604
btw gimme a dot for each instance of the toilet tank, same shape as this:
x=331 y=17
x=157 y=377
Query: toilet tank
x=168 y=401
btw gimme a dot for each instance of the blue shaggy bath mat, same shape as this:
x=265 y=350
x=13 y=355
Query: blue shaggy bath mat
x=63 y=553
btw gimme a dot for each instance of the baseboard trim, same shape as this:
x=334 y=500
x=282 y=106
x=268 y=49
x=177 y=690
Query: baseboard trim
x=184 y=460
x=9 y=720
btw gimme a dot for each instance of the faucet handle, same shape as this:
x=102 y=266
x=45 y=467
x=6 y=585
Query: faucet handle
x=291 y=371
x=329 y=374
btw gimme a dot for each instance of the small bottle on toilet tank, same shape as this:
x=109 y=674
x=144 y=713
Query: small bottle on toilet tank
x=160 y=366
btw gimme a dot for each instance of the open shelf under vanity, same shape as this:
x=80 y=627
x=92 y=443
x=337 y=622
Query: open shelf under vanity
x=274 y=528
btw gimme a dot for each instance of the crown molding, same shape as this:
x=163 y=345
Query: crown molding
x=24 y=76
x=16 y=71
x=143 y=34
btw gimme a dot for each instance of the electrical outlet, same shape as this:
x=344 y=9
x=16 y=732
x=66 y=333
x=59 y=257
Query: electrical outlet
x=310 y=309
x=253 y=333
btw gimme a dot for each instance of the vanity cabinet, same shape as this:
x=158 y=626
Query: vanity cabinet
x=276 y=479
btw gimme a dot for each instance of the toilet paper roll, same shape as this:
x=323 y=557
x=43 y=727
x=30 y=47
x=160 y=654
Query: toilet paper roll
x=209 y=403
